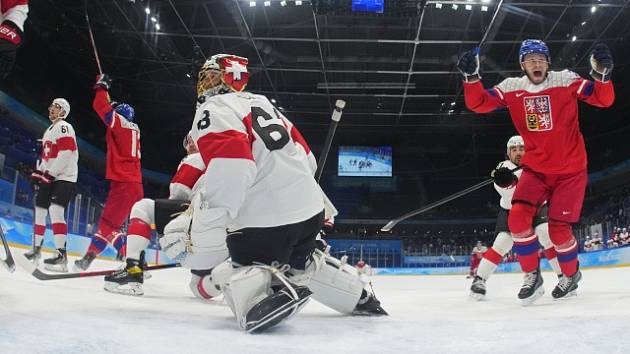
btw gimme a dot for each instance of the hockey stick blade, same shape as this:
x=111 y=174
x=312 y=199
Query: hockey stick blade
x=34 y=271
x=8 y=263
x=390 y=225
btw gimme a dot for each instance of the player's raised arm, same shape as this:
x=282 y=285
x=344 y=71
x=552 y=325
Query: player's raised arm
x=476 y=97
x=600 y=92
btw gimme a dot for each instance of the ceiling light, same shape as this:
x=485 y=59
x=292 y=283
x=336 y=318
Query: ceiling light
x=453 y=103
x=283 y=3
x=147 y=11
x=485 y=1
x=593 y=9
x=252 y=3
x=281 y=108
x=298 y=2
x=267 y=3
x=188 y=75
x=438 y=5
x=468 y=7
x=153 y=19
x=583 y=23
x=455 y=6
x=450 y=111
x=273 y=100
x=573 y=38
x=484 y=8
x=157 y=26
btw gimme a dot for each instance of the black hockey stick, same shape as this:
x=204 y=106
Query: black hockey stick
x=9 y=263
x=336 y=117
x=390 y=225
x=32 y=268
x=87 y=19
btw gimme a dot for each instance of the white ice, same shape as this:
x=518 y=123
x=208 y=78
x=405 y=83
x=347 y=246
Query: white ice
x=428 y=314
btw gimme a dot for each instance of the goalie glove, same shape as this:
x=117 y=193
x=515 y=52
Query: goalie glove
x=176 y=240
x=601 y=62
x=468 y=65
x=503 y=177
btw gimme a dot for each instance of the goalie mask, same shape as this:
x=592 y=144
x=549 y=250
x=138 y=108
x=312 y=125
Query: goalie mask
x=222 y=73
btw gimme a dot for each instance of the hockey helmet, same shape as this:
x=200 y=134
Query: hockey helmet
x=125 y=110
x=530 y=46
x=222 y=73
x=516 y=140
x=64 y=105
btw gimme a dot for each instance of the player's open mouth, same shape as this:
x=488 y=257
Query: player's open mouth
x=538 y=74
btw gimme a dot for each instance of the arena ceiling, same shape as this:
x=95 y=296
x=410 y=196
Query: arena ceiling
x=396 y=70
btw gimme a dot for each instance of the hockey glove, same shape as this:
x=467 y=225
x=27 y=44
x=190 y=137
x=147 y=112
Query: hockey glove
x=176 y=240
x=468 y=65
x=39 y=177
x=601 y=62
x=10 y=40
x=503 y=177
x=103 y=81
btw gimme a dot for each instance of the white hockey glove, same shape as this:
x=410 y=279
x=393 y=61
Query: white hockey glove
x=176 y=240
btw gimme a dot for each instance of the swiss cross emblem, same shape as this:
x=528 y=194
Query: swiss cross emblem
x=538 y=113
x=47 y=150
x=235 y=72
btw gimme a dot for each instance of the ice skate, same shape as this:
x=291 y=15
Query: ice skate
x=567 y=286
x=59 y=263
x=478 y=288
x=83 y=264
x=532 y=288
x=275 y=308
x=34 y=254
x=369 y=305
x=127 y=281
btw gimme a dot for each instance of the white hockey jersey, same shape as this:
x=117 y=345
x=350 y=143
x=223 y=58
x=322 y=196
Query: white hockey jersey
x=507 y=193
x=186 y=181
x=259 y=168
x=59 y=155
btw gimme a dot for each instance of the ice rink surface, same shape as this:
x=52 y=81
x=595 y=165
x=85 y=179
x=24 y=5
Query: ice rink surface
x=428 y=314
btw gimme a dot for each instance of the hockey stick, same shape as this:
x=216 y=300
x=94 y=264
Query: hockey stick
x=9 y=263
x=33 y=270
x=87 y=19
x=390 y=225
x=336 y=117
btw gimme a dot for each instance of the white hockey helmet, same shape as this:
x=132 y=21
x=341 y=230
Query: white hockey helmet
x=222 y=73
x=516 y=140
x=64 y=105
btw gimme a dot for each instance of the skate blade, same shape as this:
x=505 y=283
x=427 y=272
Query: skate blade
x=55 y=268
x=572 y=293
x=535 y=296
x=477 y=296
x=132 y=289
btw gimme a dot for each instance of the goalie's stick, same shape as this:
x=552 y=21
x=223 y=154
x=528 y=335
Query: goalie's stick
x=89 y=26
x=9 y=263
x=390 y=225
x=34 y=271
x=336 y=117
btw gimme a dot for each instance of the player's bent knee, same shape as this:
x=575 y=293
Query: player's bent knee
x=143 y=210
x=521 y=218
x=542 y=231
x=503 y=243
x=203 y=286
x=560 y=234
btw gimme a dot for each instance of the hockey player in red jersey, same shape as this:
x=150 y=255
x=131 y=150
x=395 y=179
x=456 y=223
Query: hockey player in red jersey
x=123 y=171
x=55 y=178
x=543 y=105
x=259 y=195
x=505 y=184
x=159 y=212
x=13 y=13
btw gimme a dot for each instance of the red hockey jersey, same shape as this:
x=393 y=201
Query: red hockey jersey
x=545 y=115
x=123 y=142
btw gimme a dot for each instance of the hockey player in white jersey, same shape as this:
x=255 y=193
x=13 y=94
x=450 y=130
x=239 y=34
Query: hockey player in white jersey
x=505 y=183
x=54 y=179
x=148 y=213
x=259 y=194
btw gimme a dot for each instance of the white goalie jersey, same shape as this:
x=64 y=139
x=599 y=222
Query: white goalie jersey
x=507 y=193
x=186 y=181
x=259 y=168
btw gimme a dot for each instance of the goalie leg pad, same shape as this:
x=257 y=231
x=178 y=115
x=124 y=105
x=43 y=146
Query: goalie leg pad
x=245 y=288
x=203 y=285
x=335 y=284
